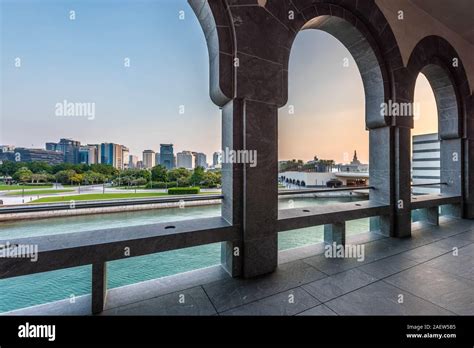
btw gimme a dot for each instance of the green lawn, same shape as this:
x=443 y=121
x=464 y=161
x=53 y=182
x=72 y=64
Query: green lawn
x=36 y=192
x=102 y=196
x=97 y=196
x=19 y=187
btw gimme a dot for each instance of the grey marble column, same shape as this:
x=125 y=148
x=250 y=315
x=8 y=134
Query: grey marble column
x=381 y=173
x=469 y=161
x=232 y=184
x=260 y=208
x=99 y=287
x=402 y=184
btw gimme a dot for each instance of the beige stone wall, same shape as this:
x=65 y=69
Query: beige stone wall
x=416 y=25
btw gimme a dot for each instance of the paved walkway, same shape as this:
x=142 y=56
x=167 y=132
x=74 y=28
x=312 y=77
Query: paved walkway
x=431 y=273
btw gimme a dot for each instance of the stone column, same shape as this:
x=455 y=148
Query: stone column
x=232 y=184
x=469 y=161
x=402 y=188
x=99 y=287
x=260 y=209
x=381 y=172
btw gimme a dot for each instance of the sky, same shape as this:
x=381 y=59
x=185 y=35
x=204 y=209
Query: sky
x=327 y=99
x=82 y=60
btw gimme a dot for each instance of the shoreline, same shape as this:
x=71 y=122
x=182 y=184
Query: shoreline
x=105 y=210
x=165 y=205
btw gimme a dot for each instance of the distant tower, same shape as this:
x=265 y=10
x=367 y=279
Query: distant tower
x=355 y=160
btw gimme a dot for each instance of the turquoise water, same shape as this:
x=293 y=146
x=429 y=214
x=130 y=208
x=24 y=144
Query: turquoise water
x=45 y=287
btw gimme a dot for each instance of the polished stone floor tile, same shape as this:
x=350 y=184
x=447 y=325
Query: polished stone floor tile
x=425 y=253
x=381 y=298
x=469 y=235
x=289 y=302
x=460 y=263
x=439 y=287
x=387 y=266
x=231 y=293
x=318 y=310
x=124 y=295
x=187 y=302
x=331 y=287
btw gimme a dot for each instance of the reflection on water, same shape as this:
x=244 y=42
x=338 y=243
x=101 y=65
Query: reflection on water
x=40 y=288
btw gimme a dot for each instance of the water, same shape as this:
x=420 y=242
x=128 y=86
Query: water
x=45 y=287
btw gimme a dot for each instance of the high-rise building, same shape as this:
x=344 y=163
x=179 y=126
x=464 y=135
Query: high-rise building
x=148 y=158
x=157 y=158
x=88 y=154
x=167 y=156
x=97 y=152
x=38 y=155
x=111 y=154
x=216 y=159
x=200 y=160
x=68 y=147
x=125 y=157
x=7 y=148
x=184 y=159
x=132 y=161
x=426 y=165
x=7 y=153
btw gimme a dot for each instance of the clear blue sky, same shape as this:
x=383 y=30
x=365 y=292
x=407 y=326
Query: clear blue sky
x=82 y=61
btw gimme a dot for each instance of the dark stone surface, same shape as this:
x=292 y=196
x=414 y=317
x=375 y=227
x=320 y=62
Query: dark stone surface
x=430 y=215
x=335 y=233
x=318 y=310
x=99 y=287
x=460 y=263
x=232 y=293
x=286 y=303
x=388 y=266
x=187 y=302
x=331 y=287
x=444 y=289
x=381 y=298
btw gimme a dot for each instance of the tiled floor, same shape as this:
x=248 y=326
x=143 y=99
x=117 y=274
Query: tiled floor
x=430 y=273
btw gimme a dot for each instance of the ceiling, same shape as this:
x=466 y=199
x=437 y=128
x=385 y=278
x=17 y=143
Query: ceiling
x=457 y=15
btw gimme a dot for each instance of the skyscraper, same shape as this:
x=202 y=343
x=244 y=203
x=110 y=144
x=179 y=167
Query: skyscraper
x=167 y=156
x=200 y=159
x=148 y=158
x=125 y=157
x=216 y=159
x=184 y=159
x=157 y=158
x=68 y=147
x=132 y=161
x=112 y=154
x=88 y=154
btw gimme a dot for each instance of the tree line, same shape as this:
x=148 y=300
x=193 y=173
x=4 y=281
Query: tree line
x=75 y=174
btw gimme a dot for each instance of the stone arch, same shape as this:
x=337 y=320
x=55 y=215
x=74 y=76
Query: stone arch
x=217 y=24
x=362 y=29
x=439 y=62
x=357 y=38
x=433 y=56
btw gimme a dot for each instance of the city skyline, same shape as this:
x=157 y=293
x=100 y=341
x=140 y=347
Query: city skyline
x=161 y=97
